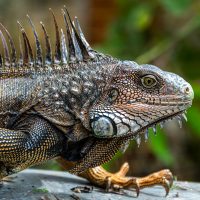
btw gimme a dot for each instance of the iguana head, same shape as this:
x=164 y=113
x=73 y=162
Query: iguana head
x=138 y=97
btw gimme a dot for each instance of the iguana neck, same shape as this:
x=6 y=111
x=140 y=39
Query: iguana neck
x=75 y=87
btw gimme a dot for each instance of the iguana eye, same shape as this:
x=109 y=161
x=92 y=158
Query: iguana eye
x=149 y=81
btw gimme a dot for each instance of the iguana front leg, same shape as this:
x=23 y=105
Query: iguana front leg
x=115 y=181
x=31 y=140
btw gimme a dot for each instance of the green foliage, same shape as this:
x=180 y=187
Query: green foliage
x=176 y=7
x=160 y=147
x=194 y=112
x=140 y=18
x=196 y=88
x=193 y=119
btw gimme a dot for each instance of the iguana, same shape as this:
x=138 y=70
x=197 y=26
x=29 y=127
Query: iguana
x=80 y=106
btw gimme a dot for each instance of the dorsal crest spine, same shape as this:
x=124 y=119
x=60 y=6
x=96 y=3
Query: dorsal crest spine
x=75 y=50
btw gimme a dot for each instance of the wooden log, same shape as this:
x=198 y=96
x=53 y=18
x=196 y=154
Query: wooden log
x=51 y=185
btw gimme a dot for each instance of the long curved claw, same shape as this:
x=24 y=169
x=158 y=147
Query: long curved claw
x=170 y=178
x=108 y=183
x=136 y=186
x=166 y=186
x=167 y=181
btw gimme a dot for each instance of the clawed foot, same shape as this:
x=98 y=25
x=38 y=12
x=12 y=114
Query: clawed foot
x=118 y=181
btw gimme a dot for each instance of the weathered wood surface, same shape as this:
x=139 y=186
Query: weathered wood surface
x=51 y=185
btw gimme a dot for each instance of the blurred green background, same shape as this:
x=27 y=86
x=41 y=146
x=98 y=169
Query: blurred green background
x=165 y=33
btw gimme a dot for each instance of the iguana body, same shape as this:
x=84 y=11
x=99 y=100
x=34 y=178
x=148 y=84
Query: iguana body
x=80 y=106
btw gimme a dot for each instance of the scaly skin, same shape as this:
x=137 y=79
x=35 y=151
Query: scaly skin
x=81 y=106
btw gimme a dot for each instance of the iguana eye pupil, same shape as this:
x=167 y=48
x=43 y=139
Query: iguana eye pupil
x=149 y=81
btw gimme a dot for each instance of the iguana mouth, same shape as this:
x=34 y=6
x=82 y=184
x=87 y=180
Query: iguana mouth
x=180 y=116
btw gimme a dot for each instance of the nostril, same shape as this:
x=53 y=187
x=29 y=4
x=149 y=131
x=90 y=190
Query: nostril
x=187 y=90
